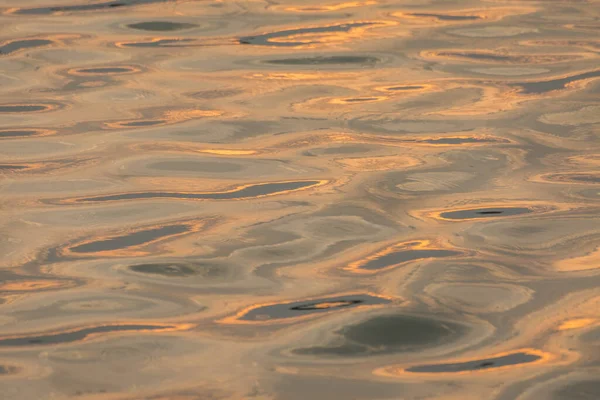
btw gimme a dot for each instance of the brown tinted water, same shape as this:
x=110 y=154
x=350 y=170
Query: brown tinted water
x=299 y=199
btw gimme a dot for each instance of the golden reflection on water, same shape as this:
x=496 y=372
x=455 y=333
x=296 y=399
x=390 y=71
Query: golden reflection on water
x=286 y=200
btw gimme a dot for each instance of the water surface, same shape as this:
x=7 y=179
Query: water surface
x=295 y=199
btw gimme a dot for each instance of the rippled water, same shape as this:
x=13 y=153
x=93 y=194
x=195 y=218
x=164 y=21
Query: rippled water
x=300 y=199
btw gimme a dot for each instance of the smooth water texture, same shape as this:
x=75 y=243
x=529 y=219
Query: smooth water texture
x=300 y=199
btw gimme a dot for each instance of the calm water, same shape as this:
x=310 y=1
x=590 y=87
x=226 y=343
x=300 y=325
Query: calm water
x=300 y=199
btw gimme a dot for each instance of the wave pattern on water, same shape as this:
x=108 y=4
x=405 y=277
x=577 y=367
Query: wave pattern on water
x=335 y=199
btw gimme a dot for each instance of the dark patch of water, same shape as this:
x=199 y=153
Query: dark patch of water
x=388 y=334
x=73 y=336
x=130 y=240
x=258 y=190
x=554 y=84
x=161 y=26
x=179 y=269
x=13 y=167
x=265 y=39
x=86 y=7
x=16 y=133
x=8 y=370
x=17 y=45
x=300 y=308
x=24 y=108
x=446 y=17
x=475 y=365
x=486 y=212
x=332 y=60
x=104 y=70
x=402 y=256
x=159 y=43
